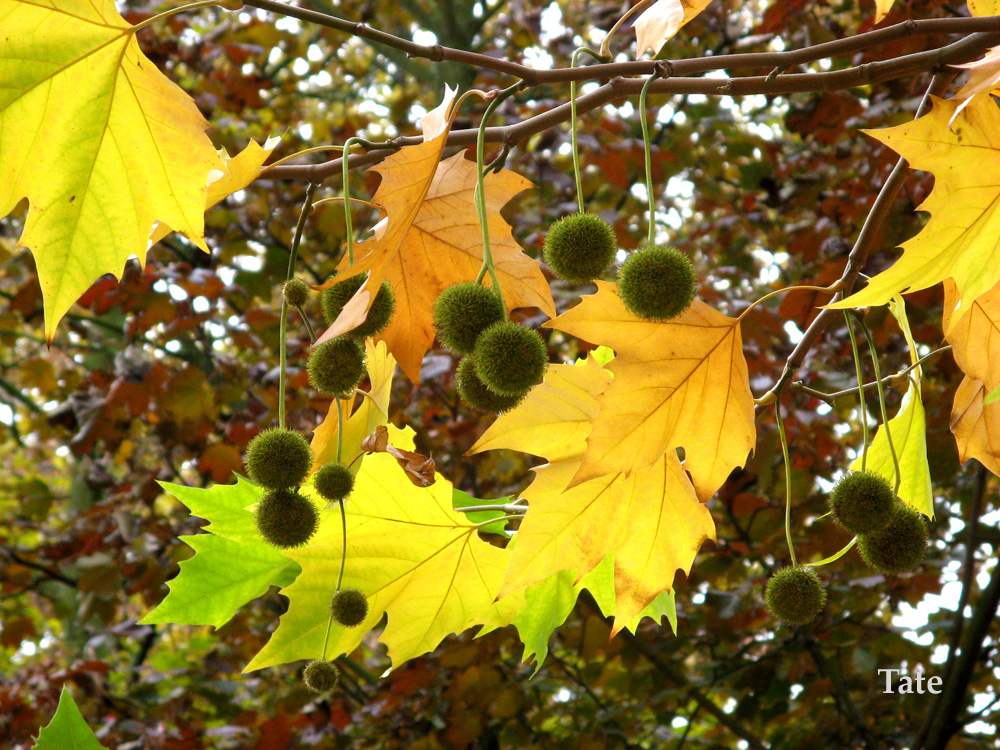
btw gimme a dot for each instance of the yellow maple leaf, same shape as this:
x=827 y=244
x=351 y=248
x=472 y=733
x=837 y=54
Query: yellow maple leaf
x=99 y=142
x=650 y=522
x=372 y=412
x=416 y=559
x=679 y=384
x=975 y=340
x=659 y=22
x=984 y=7
x=960 y=239
x=236 y=173
x=442 y=245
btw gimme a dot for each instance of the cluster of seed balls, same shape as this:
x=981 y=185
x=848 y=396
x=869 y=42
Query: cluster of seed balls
x=892 y=538
x=279 y=460
x=655 y=282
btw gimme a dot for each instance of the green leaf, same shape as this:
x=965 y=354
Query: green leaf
x=464 y=500
x=909 y=437
x=231 y=565
x=67 y=730
x=992 y=396
x=548 y=603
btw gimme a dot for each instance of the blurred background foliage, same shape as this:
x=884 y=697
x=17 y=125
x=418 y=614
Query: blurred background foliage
x=168 y=374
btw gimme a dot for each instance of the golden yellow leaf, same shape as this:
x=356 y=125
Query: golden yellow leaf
x=679 y=384
x=236 y=173
x=976 y=427
x=664 y=18
x=372 y=412
x=975 y=340
x=99 y=142
x=441 y=245
x=651 y=522
x=960 y=239
x=975 y=335
x=416 y=559
x=984 y=7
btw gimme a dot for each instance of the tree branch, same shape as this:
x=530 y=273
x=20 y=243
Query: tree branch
x=858 y=255
x=945 y=715
x=841 y=696
x=621 y=88
x=534 y=76
x=668 y=671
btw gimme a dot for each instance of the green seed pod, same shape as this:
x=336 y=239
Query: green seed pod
x=379 y=315
x=657 y=283
x=580 y=247
x=278 y=458
x=862 y=502
x=900 y=546
x=475 y=393
x=295 y=292
x=333 y=482
x=463 y=311
x=337 y=366
x=286 y=519
x=510 y=358
x=795 y=596
x=321 y=676
x=349 y=607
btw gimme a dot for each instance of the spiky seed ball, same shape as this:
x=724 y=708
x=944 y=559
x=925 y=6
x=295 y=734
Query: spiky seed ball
x=295 y=292
x=336 y=366
x=657 y=283
x=509 y=358
x=321 y=676
x=278 y=458
x=475 y=393
x=349 y=607
x=795 y=596
x=463 y=311
x=580 y=247
x=900 y=546
x=379 y=315
x=286 y=519
x=862 y=502
x=334 y=482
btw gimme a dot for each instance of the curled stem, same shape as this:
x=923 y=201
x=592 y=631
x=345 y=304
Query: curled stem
x=788 y=481
x=175 y=11
x=881 y=403
x=861 y=391
x=283 y=331
x=647 y=153
x=572 y=125
x=480 y=193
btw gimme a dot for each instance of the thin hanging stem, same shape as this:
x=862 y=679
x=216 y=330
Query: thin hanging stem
x=348 y=220
x=343 y=546
x=283 y=330
x=861 y=391
x=788 y=481
x=606 y=44
x=480 y=193
x=572 y=125
x=305 y=319
x=881 y=403
x=326 y=638
x=174 y=11
x=340 y=432
x=647 y=152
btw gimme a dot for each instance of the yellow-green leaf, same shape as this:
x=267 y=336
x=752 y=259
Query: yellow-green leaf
x=660 y=21
x=679 y=384
x=909 y=436
x=960 y=239
x=99 y=142
x=651 y=522
x=418 y=561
